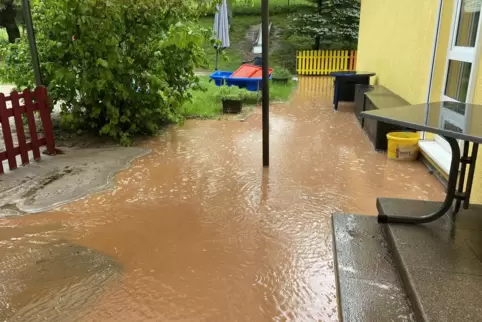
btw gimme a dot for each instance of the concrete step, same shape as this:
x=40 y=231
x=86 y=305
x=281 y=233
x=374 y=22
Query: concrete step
x=440 y=263
x=368 y=285
x=397 y=272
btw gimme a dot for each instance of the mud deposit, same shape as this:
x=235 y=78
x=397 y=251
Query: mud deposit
x=62 y=178
x=51 y=282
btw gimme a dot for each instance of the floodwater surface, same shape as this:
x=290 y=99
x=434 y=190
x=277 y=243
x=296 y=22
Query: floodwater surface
x=199 y=231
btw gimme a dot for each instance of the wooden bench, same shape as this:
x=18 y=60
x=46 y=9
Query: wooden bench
x=376 y=98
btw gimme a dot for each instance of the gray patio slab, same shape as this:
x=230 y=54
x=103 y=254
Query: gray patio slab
x=368 y=284
x=448 y=297
x=440 y=264
x=469 y=220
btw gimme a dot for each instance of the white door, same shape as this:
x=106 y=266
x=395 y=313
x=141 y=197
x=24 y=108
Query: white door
x=462 y=62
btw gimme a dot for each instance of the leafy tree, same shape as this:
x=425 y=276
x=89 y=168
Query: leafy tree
x=334 y=23
x=9 y=12
x=118 y=67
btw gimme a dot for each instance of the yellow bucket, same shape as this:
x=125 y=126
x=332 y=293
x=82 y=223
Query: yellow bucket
x=403 y=145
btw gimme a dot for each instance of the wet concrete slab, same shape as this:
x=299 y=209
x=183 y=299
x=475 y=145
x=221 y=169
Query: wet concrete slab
x=59 y=179
x=204 y=233
x=368 y=283
x=441 y=265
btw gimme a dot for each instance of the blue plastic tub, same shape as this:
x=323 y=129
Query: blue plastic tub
x=220 y=77
x=251 y=84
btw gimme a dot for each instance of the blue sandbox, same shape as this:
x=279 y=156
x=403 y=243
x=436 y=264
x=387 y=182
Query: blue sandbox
x=251 y=84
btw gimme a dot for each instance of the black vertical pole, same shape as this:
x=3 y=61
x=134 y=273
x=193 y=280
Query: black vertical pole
x=265 y=48
x=27 y=15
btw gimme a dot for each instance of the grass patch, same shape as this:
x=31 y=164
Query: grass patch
x=206 y=103
x=281 y=92
x=253 y=7
x=275 y=6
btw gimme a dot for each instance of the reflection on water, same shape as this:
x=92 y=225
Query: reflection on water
x=203 y=233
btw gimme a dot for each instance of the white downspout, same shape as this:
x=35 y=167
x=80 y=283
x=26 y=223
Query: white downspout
x=434 y=54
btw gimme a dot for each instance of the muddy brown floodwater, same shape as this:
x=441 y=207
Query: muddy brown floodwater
x=199 y=231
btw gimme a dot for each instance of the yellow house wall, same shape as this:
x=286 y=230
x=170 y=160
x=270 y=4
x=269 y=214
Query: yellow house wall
x=396 y=42
x=478 y=83
x=477 y=99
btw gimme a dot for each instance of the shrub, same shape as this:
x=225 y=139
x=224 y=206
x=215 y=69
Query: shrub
x=117 y=67
x=232 y=93
x=281 y=73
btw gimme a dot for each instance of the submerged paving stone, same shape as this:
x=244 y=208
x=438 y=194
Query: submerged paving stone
x=53 y=282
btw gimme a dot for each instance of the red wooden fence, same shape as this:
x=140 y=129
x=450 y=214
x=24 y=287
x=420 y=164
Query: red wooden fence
x=32 y=101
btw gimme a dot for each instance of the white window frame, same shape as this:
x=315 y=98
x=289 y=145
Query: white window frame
x=464 y=54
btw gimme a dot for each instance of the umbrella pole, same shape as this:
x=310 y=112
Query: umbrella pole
x=217 y=59
x=27 y=14
x=265 y=80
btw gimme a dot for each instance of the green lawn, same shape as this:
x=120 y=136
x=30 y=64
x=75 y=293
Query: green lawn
x=207 y=103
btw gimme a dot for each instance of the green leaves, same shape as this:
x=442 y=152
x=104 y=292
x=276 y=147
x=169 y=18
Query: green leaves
x=102 y=62
x=334 y=22
x=120 y=68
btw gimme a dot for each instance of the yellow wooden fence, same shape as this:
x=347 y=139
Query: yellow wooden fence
x=323 y=62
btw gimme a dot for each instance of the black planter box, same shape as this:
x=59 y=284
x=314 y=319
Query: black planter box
x=360 y=100
x=232 y=106
x=360 y=90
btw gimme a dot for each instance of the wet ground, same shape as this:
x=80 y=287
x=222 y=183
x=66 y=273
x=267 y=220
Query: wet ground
x=199 y=231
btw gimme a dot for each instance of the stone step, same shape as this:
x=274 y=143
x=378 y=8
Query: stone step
x=440 y=262
x=369 y=287
x=399 y=272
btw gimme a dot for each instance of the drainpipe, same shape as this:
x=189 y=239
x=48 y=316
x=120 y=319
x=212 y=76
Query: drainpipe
x=434 y=54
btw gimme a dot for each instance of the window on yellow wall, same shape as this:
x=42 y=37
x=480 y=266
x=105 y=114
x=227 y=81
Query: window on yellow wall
x=458 y=76
x=468 y=23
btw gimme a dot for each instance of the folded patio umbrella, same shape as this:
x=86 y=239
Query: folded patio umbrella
x=221 y=28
